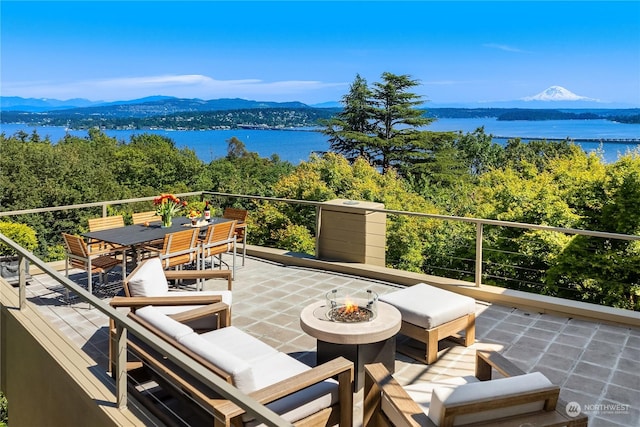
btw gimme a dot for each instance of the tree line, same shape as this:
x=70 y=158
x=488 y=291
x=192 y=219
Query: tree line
x=380 y=152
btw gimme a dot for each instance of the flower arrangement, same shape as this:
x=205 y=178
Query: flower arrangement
x=168 y=206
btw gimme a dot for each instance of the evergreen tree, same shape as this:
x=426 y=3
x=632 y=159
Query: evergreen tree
x=397 y=139
x=350 y=130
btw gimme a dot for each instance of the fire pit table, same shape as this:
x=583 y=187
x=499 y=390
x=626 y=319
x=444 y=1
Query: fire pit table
x=364 y=332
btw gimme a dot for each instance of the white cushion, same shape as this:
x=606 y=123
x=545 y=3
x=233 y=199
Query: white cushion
x=203 y=323
x=240 y=371
x=427 y=306
x=240 y=343
x=148 y=280
x=468 y=393
x=163 y=323
x=280 y=366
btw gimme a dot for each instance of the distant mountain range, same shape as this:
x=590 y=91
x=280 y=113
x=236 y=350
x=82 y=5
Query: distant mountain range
x=151 y=105
x=553 y=97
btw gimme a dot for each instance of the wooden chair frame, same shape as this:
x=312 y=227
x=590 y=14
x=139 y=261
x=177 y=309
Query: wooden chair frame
x=431 y=337
x=229 y=414
x=240 y=215
x=380 y=384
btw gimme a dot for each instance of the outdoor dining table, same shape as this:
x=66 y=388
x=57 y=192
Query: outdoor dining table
x=137 y=235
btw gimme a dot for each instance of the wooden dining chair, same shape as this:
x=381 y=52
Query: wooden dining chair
x=178 y=249
x=105 y=223
x=78 y=255
x=144 y=217
x=219 y=239
x=240 y=215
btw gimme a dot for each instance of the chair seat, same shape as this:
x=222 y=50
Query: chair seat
x=429 y=307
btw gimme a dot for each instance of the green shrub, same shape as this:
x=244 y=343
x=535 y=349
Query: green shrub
x=22 y=234
x=4 y=410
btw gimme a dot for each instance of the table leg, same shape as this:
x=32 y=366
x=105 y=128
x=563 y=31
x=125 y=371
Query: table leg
x=360 y=354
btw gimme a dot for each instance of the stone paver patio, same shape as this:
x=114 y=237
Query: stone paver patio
x=597 y=365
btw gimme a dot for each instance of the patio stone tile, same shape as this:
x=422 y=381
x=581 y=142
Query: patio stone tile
x=523 y=354
x=573 y=340
x=601 y=422
x=564 y=350
x=510 y=327
x=520 y=319
x=599 y=355
x=498 y=336
x=585 y=385
x=613 y=412
x=628 y=366
x=547 y=325
x=622 y=395
x=625 y=380
x=541 y=334
x=578 y=331
x=610 y=337
x=631 y=353
x=533 y=344
x=569 y=395
x=591 y=370
x=559 y=362
x=633 y=341
x=556 y=376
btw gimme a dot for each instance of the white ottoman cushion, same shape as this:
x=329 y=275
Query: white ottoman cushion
x=427 y=306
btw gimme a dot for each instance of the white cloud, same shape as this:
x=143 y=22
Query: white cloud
x=503 y=47
x=184 y=86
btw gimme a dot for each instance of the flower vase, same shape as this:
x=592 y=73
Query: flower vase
x=166 y=221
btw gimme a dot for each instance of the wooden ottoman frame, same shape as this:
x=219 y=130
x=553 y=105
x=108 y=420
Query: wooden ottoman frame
x=431 y=337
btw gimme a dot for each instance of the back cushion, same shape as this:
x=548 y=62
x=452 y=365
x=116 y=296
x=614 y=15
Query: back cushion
x=240 y=371
x=148 y=280
x=163 y=323
x=468 y=393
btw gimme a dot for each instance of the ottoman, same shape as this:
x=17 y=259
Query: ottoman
x=430 y=314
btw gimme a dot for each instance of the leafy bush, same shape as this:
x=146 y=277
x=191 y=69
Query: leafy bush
x=4 y=411
x=22 y=234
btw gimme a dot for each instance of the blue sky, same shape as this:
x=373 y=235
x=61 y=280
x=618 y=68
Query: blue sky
x=311 y=51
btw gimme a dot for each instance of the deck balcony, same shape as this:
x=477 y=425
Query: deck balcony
x=54 y=351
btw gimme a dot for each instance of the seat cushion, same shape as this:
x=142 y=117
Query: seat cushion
x=429 y=307
x=240 y=371
x=148 y=280
x=303 y=403
x=468 y=393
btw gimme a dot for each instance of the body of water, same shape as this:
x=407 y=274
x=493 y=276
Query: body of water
x=296 y=145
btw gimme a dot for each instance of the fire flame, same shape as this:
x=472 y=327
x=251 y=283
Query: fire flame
x=349 y=306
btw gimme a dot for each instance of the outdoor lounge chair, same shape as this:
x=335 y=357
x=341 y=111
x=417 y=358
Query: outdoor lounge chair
x=300 y=394
x=517 y=399
x=148 y=284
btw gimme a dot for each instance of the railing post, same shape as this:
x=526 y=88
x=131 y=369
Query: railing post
x=120 y=355
x=22 y=281
x=318 y=225
x=104 y=211
x=478 y=254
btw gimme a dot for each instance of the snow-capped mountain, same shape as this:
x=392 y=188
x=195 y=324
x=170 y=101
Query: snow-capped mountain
x=557 y=93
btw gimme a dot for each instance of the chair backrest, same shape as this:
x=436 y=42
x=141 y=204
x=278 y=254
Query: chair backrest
x=219 y=238
x=180 y=248
x=77 y=250
x=237 y=214
x=146 y=280
x=105 y=223
x=142 y=217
